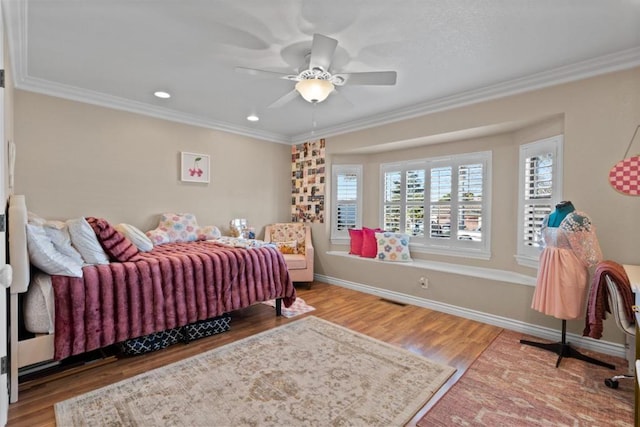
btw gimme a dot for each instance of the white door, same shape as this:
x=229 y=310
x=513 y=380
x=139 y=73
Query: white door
x=5 y=270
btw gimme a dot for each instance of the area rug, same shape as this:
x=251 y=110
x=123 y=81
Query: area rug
x=298 y=307
x=511 y=384
x=309 y=372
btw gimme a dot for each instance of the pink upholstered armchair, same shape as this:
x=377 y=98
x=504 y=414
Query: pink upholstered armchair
x=294 y=241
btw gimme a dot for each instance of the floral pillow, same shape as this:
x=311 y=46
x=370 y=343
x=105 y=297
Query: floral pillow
x=393 y=247
x=181 y=227
x=287 y=232
x=287 y=248
x=158 y=237
x=210 y=232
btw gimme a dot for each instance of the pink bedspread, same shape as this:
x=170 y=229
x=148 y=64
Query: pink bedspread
x=173 y=285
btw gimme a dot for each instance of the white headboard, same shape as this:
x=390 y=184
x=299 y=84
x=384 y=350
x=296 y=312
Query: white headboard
x=18 y=256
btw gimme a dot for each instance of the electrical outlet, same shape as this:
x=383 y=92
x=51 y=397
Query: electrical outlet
x=424 y=283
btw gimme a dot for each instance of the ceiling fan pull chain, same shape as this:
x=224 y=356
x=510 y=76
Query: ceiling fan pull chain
x=313 y=118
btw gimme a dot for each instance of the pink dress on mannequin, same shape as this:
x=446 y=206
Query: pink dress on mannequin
x=563 y=275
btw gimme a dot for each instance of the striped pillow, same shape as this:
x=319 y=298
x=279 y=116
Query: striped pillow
x=118 y=247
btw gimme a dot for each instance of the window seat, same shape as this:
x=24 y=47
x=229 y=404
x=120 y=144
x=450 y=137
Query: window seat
x=446 y=267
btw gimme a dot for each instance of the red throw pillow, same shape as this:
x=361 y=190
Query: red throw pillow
x=356 y=241
x=369 y=243
x=118 y=247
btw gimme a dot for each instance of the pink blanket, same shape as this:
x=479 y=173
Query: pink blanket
x=173 y=285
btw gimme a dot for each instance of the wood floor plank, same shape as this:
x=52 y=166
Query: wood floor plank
x=440 y=337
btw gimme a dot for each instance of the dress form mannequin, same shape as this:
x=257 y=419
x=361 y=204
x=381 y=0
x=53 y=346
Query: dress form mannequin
x=569 y=247
x=562 y=210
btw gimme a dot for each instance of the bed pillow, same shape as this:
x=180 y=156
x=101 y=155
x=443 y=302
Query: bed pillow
x=44 y=255
x=118 y=247
x=369 y=244
x=35 y=219
x=158 y=237
x=136 y=236
x=355 y=235
x=84 y=239
x=393 y=247
x=210 y=232
x=58 y=233
x=38 y=304
x=180 y=227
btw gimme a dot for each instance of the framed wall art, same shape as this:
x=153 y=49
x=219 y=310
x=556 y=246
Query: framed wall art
x=194 y=167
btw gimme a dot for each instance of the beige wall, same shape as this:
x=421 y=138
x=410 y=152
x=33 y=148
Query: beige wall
x=76 y=159
x=596 y=115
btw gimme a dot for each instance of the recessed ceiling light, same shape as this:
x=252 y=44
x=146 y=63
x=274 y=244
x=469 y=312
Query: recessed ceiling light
x=162 y=94
x=253 y=118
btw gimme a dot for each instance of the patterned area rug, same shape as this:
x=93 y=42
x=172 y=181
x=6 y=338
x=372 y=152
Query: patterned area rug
x=297 y=308
x=512 y=384
x=307 y=372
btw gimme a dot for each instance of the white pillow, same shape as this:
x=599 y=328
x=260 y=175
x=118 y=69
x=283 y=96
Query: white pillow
x=44 y=255
x=35 y=219
x=137 y=237
x=58 y=233
x=84 y=239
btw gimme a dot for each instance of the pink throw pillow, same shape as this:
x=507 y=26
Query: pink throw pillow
x=118 y=247
x=369 y=243
x=356 y=241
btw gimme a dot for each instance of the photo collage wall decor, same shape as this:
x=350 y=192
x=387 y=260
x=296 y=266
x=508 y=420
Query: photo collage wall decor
x=307 y=182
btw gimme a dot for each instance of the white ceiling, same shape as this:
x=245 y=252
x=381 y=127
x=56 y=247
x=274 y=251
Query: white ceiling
x=446 y=53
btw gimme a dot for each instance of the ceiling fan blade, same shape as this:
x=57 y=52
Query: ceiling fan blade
x=385 y=78
x=286 y=98
x=261 y=73
x=338 y=98
x=322 y=50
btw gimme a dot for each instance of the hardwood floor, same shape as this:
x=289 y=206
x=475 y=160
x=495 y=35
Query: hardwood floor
x=438 y=336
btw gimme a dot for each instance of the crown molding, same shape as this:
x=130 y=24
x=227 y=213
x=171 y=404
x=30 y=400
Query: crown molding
x=97 y=98
x=617 y=61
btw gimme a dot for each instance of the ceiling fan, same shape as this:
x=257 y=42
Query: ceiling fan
x=315 y=82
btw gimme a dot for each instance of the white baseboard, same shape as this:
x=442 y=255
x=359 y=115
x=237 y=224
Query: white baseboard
x=605 y=347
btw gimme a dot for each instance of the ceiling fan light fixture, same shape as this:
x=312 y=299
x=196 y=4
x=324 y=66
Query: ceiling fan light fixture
x=314 y=90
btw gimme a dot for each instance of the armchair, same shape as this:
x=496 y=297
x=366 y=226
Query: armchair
x=294 y=241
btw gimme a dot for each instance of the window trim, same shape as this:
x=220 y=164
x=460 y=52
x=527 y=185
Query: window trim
x=342 y=237
x=528 y=256
x=426 y=244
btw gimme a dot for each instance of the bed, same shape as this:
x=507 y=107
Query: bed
x=173 y=285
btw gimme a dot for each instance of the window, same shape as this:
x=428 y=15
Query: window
x=442 y=203
x=540 y=189
x=346 y=200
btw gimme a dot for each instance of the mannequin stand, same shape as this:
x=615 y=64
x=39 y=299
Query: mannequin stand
x=564 y=349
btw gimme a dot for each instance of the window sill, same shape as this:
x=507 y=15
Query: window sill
x=527 y=261
x=340 y=241
x=445 y=267
x=457 y=252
